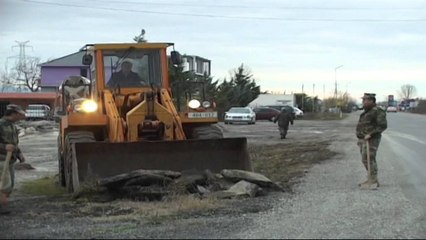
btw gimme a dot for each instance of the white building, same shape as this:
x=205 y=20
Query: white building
x=273 y=99
x=196 y=64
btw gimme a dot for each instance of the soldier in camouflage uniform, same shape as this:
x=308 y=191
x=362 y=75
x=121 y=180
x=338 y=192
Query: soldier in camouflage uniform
x=9 y=143
x=371 y=124
x=284 y=118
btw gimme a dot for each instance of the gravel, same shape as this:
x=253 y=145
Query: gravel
x=329 y=204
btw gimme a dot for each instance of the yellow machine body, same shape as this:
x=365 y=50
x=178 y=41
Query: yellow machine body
x=111 y=124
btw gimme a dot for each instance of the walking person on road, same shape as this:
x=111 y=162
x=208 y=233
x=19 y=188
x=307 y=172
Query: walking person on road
x=372 y=122
x=9 y=146
x=284 y=118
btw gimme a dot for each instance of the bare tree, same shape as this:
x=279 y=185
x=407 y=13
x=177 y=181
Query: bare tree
x=407 y=91
x=27 y=75
x=7 y=79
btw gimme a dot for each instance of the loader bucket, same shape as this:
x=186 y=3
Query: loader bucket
x=102 y=159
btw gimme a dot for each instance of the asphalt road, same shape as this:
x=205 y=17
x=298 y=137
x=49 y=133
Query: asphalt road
x=329 y=204
x=405 y=146
x=266 y=132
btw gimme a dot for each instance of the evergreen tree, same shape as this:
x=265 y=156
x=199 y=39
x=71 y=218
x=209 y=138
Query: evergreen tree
x=239 y=91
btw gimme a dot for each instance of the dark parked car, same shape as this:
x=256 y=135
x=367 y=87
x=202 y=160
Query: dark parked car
x=287 y=107
x=266 y=113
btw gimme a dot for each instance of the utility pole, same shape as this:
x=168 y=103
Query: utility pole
x=313 y=98
x=335 y=82
x=323 y=92
x=21 y=64
x=22 y=57
x=303 y=97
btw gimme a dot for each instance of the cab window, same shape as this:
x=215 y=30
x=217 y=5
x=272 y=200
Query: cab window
x=132 y=68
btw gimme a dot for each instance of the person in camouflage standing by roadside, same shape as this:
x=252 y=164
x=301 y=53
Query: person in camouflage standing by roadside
x=284 y=118
x=9 y=143
x=372 y=122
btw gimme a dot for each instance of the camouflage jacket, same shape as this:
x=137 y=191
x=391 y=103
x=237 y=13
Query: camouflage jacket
x=284 y=118
x=373 y=122
x=8 y=135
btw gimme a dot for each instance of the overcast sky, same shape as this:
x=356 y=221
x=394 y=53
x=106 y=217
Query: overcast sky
x=285 y=44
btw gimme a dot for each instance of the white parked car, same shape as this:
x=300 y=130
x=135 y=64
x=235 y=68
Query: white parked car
x=391 y=109
x=298 y=112
x=240 y=114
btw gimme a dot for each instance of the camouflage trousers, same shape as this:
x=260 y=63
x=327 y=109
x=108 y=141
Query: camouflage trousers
x=7 y=185
x=374 y=145
x=283 y=131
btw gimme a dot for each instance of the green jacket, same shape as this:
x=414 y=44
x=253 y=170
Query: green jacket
x=372 y=121
x=8 y=135
x=283 y=119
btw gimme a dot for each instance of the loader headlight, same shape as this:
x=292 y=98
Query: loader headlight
x=89 y=106
x=194 y=103
x=206 y=104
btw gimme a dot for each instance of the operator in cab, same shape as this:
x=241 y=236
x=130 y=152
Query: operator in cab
x=125 y=77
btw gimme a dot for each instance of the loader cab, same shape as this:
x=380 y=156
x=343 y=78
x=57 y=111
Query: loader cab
x=132 y=68
x=110 y=62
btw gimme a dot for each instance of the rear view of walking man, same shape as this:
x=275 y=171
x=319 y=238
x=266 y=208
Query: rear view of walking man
x=284 y=118
x=372 y=122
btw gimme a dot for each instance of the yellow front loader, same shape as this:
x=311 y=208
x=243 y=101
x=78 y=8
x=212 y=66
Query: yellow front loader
x=114 y=121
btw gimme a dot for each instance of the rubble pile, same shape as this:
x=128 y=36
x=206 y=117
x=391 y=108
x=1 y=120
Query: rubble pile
x=34 y=127
x=151 y=185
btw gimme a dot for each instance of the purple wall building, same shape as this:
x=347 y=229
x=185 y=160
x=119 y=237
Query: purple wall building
x=55 y=71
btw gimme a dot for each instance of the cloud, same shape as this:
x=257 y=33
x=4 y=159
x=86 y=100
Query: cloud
x=281 y=54
x=383 y=82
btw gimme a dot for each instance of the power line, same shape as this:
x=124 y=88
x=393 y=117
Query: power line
x=198 y=5
x=22 y=57
x=21 y=64
x=227 y=17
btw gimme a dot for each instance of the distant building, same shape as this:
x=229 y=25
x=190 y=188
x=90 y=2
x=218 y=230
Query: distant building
x=25 y=98
x=273 y=99
x=55 y=71
x=407 y=104
x=200 y=66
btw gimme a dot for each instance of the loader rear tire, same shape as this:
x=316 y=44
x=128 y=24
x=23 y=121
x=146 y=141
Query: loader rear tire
x=69 y=154
x=207 y=132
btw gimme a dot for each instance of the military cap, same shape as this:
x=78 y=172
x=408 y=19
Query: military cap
x=15 y=108
x=369 y=96
x=128 y=60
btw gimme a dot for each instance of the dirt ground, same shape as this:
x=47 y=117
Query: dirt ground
x=42 y=213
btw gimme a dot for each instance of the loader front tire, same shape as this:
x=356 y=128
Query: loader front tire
x=69 y=155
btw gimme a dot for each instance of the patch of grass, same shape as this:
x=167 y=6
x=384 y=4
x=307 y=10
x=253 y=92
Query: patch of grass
x=155 y=212
x=283 y=162
x=46 y=186
x=421 y=107
x=89 y=191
